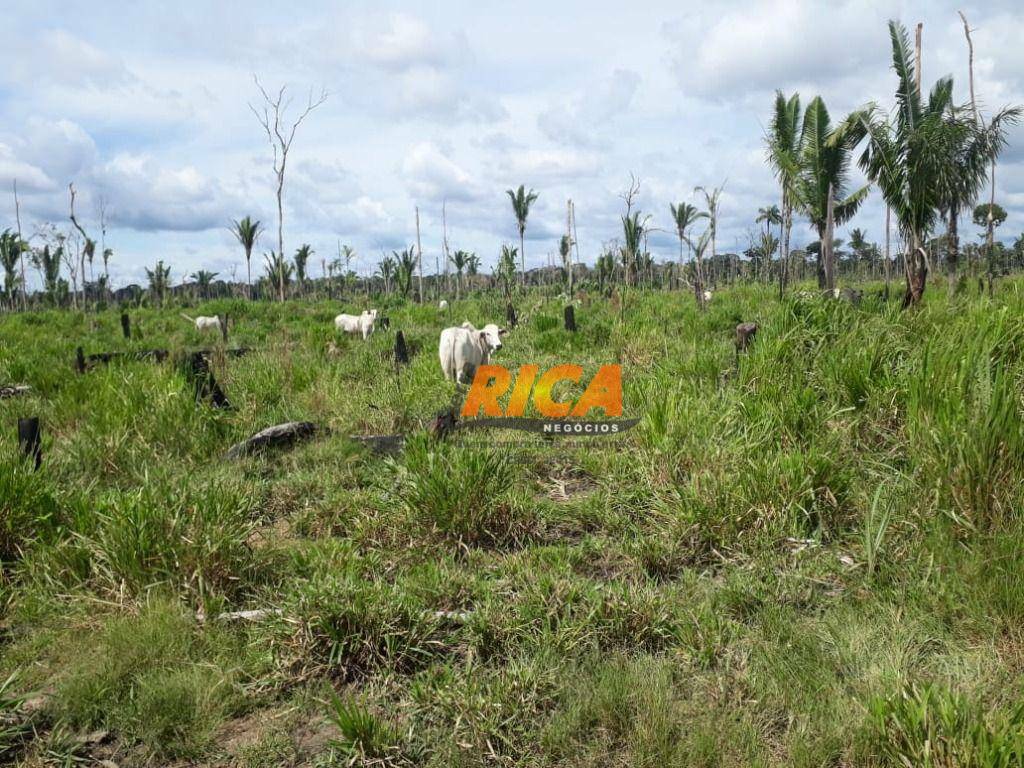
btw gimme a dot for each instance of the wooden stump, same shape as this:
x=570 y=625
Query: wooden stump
x=30 y=439
x=401 y=350
x=126 y=325
x=80 y=360
x=510 y=316
x=14 y=390
x=745 y=333
x=205 y=383
x=570 y=319
x=277 y=436
x=224 y=327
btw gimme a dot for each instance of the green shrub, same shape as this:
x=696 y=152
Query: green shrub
x=932 y=727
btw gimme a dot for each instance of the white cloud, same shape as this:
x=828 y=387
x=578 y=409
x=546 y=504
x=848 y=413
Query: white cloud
x=432 y=175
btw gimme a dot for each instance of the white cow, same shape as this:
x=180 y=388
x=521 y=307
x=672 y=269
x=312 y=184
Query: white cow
x=362 y=324
x=707 y=296
x=443 y=305
x=203 y=323
x=464 y=349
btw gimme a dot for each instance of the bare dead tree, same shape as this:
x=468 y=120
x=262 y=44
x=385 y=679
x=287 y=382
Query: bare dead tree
x=990 y=227
x=631 y=192
x=104 y=253
x=87 y=248
x=281 y=134
x=419 y=252
x=22 y=247
x=447 y=253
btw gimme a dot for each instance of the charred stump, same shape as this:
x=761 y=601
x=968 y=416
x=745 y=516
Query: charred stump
x=570 y=319
x=401 y=350
x=278 y=436
x=126 y=326
x=30 y=439
x=510 y=316
x=745 y=333
x=205 y=382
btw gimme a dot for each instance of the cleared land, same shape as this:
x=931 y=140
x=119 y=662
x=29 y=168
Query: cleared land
x=813 y=559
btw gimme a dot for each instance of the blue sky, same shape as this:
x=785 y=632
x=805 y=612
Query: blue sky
x=146 y=106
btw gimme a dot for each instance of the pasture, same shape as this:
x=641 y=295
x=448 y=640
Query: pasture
x=809 y=557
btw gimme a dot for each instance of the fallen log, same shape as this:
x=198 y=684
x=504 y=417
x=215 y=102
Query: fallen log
x=14 y=390
x=83 y=361
x=280 y=435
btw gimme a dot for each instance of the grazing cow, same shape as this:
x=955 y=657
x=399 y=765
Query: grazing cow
x=442 y=305
x=362 y=324
x=464 y=349
x=204 y=323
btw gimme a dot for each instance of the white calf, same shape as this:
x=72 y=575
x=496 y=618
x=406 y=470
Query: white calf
x=443 y=305
x=362 y=324
x=464 y=349
x=707 y=296
x=203 y=323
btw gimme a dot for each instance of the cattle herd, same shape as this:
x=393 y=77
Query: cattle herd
x=461 y=350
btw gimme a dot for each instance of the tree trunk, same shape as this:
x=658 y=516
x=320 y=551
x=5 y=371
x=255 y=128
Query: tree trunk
x=280 y=234
x=522 y=256
x=827 y=244
x=916 y=267
x=419 y=252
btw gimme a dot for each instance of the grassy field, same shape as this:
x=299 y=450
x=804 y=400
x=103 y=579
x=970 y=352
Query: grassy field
x=814 y=558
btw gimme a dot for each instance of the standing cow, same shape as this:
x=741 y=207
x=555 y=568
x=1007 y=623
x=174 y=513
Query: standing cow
x=464 y=349
x=362 y=324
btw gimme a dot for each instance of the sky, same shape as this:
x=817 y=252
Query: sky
x=146 y=106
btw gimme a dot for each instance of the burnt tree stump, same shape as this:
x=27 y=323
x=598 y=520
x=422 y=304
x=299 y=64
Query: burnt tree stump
x=30 y=439
x=206 y=384
x=401 y=350
x=510 y=316
x=745 y=333
x=126 y=325
x=570 y=319
x=80 y=360
x=279 y=435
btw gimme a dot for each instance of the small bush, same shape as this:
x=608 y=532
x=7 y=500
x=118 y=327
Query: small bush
x=364 y=736
x=458 y=491
x=149 y=678
x=933 y=727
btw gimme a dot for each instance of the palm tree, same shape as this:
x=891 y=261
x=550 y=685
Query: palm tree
x=11 y=248
x=521 y=202
x=685 y=216
x=472 y=269
x=159 y=281
x=204 y=278
x=605 y=270
x=460 y=260
x=506 y=270
x=406 y=261
x=769 y=216
x=632 y=233
x=711 y=200
x=821 y=182
x=386 y=269
x=247 y=232
x=783 y=142
x=706 y=238
x=859 y=246
x=48 y=264
x=912 y=155
x=301 y=258
x=278 y=272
